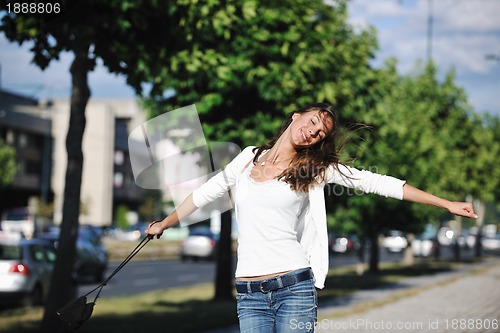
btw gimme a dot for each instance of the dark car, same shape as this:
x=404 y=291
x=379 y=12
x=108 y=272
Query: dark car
x=26 y=268
x=200 y=244
x=91 y=254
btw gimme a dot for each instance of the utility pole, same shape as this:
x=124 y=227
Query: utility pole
x=430 y=20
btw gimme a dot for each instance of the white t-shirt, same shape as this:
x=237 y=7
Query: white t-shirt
x=267 y=215
x=311 y=230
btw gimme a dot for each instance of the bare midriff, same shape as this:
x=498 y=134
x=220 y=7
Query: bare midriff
x=260 y=277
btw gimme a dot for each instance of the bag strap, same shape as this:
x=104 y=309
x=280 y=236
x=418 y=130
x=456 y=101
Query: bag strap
x=136 y=250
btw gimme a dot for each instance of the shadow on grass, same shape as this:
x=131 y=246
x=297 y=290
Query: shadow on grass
x=342 y=283
x=186 y=310
x=182 y=317
x=137 y=314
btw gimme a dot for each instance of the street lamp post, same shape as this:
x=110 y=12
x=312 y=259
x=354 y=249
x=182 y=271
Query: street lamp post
x=430 y=19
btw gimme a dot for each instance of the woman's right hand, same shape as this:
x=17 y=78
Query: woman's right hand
x=155 y=228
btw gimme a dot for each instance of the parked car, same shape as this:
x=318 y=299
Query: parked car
x=201 y=243
x=26 y=268
x=395 y=241
x=344 y=244
x=91 y=254
x=423 y=246
x=19 y=220
x=133 y=233
x=491 y=243
x=446 y=236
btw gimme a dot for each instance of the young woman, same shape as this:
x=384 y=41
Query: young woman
x=280 y=210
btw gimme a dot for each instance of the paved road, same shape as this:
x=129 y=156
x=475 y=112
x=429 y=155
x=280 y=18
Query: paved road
x=462 y=301
x=143 y=276
x=467 y=301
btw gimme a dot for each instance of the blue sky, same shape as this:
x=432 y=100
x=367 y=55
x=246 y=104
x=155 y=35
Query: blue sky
x=464 y=33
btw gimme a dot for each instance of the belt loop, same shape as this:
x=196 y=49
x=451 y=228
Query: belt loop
x=249 y=288
x=280 y=282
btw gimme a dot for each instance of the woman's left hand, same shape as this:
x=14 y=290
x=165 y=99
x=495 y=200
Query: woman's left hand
x=464 y=209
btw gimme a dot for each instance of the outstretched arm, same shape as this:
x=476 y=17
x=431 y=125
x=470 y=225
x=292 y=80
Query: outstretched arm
x=413 y=194
x=185 y=209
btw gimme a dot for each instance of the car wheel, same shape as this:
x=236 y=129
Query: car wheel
x=34 y=298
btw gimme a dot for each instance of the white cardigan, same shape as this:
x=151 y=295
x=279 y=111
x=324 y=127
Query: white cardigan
x=311 y=228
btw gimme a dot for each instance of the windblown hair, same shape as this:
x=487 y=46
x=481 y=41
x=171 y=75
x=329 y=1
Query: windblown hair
x=308 y=167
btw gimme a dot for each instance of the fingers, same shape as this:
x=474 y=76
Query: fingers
x=152 y=233
x=465 y=209
x=470 y=210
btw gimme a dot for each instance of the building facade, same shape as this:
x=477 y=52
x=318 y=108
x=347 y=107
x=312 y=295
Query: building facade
x=26 y=127
x=37 y=130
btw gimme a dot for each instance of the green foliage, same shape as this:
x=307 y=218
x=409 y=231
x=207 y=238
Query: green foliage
x=252 y=62
x=423 y=131
x=121 y=220
x=150 y=209
x=8 y=164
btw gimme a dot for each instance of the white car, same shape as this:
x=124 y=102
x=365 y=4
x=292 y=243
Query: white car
x=19 y=220
x=25 y=270
x=491 y=243
x=200 y=244
x=395 y=241
x=423 y=247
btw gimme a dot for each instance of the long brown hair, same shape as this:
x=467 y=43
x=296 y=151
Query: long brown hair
x=308 y=167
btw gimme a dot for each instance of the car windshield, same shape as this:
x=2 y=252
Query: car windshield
x=10 y=252
x=16 y=216
x=200 y=232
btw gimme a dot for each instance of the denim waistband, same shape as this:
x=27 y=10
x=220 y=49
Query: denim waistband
x=274 y=283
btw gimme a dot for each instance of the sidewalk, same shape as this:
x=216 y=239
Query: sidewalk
x=467 y=300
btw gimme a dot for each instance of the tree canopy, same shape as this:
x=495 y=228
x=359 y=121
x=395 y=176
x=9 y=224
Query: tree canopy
x=252 y=62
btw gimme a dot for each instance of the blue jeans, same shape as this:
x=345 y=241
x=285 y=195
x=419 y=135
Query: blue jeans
x=286 y=310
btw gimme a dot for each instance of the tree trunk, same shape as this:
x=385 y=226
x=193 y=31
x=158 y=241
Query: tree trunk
x=480 y=208
x=360 y=265
x=63 y=286
x=408 y=256
x=224 y=274
x=374 y=253
x=456 y=244
x=437 y=253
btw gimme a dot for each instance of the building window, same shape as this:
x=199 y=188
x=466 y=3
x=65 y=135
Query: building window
x=10 y=138
x=23 y=140
x=118 y=179
x=119 y=157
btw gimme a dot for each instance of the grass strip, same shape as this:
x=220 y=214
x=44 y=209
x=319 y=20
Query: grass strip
x=191 y=309
x=182 y=310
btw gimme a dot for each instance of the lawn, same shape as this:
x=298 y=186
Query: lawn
x=191 y=309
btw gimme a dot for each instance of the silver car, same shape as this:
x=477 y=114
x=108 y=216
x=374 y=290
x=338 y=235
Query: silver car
x=25 y=270
x=200 y=244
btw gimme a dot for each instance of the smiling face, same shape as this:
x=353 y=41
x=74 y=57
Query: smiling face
x=310 y=128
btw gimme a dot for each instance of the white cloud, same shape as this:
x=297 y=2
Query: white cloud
x=467 y=15
x=463 y=33
x=465 y=53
